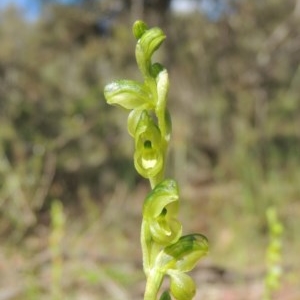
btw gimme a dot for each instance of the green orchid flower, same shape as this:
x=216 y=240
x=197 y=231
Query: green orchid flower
x=148 y=156
x=161 y=213
x=181 y=257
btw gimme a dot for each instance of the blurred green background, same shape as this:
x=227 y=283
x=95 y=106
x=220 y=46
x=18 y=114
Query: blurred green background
x=70 y=199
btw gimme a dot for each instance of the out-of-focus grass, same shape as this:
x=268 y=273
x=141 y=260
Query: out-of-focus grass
x=99 y=257
x=101 y=252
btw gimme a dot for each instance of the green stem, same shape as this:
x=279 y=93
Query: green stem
x=150 y=249
x=154 y=281
x=146 y=245
x=154 y=181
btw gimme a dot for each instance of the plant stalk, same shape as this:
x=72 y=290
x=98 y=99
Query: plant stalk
x=154 y=281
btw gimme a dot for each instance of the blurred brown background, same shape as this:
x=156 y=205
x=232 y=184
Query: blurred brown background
x=70 y=199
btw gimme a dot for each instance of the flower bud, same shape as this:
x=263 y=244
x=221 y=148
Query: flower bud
x=139 y=28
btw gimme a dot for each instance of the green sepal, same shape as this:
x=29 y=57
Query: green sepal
x=160 y=211
x=146 y=46
x=128 y=94
x=148 y=156
x=139 y=28
x=184 y=254
x=165 y=296
x=182 y=286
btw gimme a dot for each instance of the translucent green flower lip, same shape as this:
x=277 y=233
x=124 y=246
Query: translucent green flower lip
x=148 y=162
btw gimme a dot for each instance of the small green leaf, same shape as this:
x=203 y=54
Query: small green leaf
x=128 y=94
x=165 y=296
x=182 y=285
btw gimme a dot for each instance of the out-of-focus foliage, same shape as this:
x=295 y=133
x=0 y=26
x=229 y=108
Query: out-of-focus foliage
x=234 y=93
x=57 y=136
x=238 y=81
